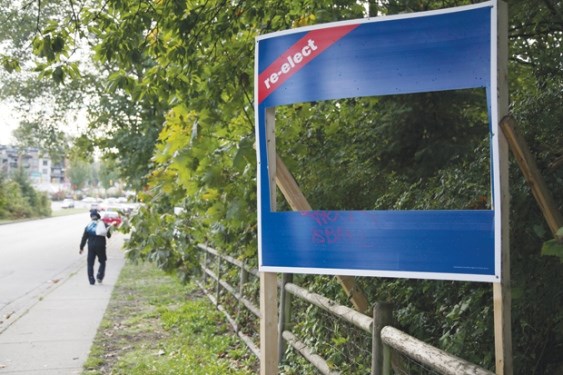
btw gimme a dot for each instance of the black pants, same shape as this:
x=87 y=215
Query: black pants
x=102 y=257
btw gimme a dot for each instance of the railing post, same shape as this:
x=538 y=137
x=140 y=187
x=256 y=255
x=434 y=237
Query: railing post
x=218 y=278
x=386 y=360
x=204 y=276
x=242 y=280
x=382 y=316
x=285 y=313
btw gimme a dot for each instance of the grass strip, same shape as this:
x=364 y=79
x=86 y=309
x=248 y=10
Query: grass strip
x=68 y=211
x=57 y=213
x=156 y=325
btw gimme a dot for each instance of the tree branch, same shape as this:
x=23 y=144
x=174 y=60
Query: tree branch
x=556 y=164
x=38 y=16
x=75 y=17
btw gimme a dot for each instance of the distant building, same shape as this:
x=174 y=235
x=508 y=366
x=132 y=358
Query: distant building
x=40 y=169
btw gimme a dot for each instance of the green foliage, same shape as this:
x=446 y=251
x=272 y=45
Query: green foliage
x=536 y=81
x=187 y=177
x=45 y=108
x=125 y=130
x=10 y=64
x=15 y=205
x=108 y=174
x=554 y=247
x=19 y=200
x=48 y=139
x=454 y=316
x=387 y=152
x=79 y=172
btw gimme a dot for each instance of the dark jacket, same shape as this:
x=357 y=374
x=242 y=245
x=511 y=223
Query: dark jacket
x=95 y=242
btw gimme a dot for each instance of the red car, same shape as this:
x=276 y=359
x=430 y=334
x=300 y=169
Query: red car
x=111 y=218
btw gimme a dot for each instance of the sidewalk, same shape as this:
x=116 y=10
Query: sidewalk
x=55 y=336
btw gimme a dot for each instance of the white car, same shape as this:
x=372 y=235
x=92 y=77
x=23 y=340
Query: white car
x=67 y=203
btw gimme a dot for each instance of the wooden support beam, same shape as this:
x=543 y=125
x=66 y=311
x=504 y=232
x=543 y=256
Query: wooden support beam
x=531 y=173
x=354 y=293
x=502 y=295
x=289 y=187
x=269 y=359
x=298 y=202
x=268 y=323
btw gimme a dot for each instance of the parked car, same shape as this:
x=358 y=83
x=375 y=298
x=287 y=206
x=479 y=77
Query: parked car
x=111 y=218
x=67 y=203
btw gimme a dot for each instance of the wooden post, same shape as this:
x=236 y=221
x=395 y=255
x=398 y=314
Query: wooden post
x=268 y=324
x=285 y=312
x=382 y=316
x=298 y=202
x=532 y=174
x=218 y=279
x=242 y=280
x=501 y=290
x=204 y=276
x=268 y=280
x=386 y=360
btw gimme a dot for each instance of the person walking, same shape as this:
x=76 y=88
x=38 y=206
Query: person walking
x=95 y=234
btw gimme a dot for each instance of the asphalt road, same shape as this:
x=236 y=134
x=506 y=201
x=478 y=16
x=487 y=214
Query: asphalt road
x=34 y=257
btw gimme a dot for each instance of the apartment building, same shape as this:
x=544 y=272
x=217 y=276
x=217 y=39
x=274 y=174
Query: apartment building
x=40 y=169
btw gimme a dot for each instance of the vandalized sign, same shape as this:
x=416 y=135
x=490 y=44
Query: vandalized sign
x=449 y=49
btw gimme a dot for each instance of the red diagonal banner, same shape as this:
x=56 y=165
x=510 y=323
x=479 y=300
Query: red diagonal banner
x=297 y=56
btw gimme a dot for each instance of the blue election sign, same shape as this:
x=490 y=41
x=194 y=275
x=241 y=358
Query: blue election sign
x=423 y=52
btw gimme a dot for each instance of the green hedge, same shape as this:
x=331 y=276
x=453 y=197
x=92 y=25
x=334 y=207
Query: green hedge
x=19 y=200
